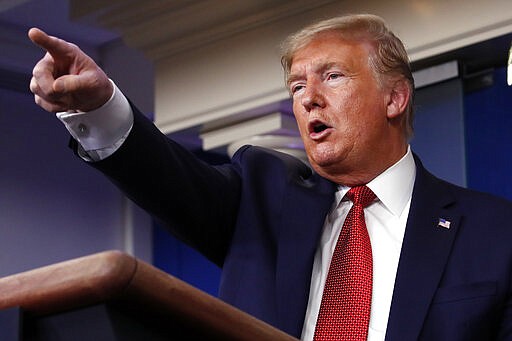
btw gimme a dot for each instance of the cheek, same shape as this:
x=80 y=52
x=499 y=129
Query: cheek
x=354 y=111
x=301 y=120
x=346 y=112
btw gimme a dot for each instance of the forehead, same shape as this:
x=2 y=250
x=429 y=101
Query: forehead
x=329 y=48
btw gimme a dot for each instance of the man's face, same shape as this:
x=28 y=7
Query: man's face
x=340 y=109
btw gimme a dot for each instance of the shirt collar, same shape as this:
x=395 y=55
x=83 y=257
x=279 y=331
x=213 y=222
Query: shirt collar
x=393 y=187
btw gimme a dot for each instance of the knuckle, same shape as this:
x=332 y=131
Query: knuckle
x=37 y=70
x=33 y=85
x=48 y=105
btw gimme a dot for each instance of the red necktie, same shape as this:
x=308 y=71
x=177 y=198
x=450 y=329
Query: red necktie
x=345 y=309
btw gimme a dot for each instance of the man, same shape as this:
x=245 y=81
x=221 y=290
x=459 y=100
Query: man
x=439 y=264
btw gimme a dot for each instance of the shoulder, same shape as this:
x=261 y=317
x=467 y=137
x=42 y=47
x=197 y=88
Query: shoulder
x=485 y=203
x=432 y=186
x=468 y=195
x=252 y=158
x=476 y=209
x=476 y=206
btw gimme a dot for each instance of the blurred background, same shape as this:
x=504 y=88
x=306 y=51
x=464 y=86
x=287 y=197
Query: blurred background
x=208 y=73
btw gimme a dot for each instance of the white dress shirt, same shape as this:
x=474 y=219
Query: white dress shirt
x=385 y=220
x=102 y=131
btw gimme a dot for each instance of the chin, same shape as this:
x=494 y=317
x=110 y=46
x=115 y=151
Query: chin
x=323 y=165
x=323 y=157
x=326 y=162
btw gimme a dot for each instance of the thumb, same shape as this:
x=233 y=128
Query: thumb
x=82 y=92
x=68 y=84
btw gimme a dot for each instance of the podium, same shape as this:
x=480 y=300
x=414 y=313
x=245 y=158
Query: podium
x=114 y=296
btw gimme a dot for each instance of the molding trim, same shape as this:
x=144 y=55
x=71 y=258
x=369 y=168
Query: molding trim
x=255 y=106
x=275 y=123
x=145 y=25
x=435 y=74
x=458 y=41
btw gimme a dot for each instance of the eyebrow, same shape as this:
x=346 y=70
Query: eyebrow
x=292 y=78
x=320 y=68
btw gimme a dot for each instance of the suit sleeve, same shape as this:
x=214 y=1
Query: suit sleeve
x=196 y=201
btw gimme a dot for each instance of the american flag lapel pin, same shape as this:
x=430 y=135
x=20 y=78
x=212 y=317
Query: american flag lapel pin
x=443 y=223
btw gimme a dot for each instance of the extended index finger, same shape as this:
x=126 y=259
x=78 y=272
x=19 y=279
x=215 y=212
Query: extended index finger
x=55 y=46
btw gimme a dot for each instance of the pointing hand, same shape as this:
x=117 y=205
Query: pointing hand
x=66 y=78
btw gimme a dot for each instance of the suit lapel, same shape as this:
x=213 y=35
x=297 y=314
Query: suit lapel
x=305 y=207
x=425 y=251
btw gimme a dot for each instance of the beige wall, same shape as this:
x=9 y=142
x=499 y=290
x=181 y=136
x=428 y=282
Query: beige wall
x=242 y=72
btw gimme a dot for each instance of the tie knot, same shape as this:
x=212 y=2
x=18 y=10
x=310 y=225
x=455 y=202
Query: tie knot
x=361 y=195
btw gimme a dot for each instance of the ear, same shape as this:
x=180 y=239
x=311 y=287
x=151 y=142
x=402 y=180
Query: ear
x=399 y=96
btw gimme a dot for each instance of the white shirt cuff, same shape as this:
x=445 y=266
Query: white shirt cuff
x=102 y=131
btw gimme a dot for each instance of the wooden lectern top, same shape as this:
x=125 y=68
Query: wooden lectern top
x=117 y=277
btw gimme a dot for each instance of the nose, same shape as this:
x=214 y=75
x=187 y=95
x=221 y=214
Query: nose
x=313 y=96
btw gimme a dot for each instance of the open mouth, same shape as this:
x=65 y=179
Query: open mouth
x=316 y=127
x=319 y=128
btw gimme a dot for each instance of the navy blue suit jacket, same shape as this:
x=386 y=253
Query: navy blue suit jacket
x=260 y=218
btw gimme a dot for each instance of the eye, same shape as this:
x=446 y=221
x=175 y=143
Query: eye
x=334 y=76
x=294 y=88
